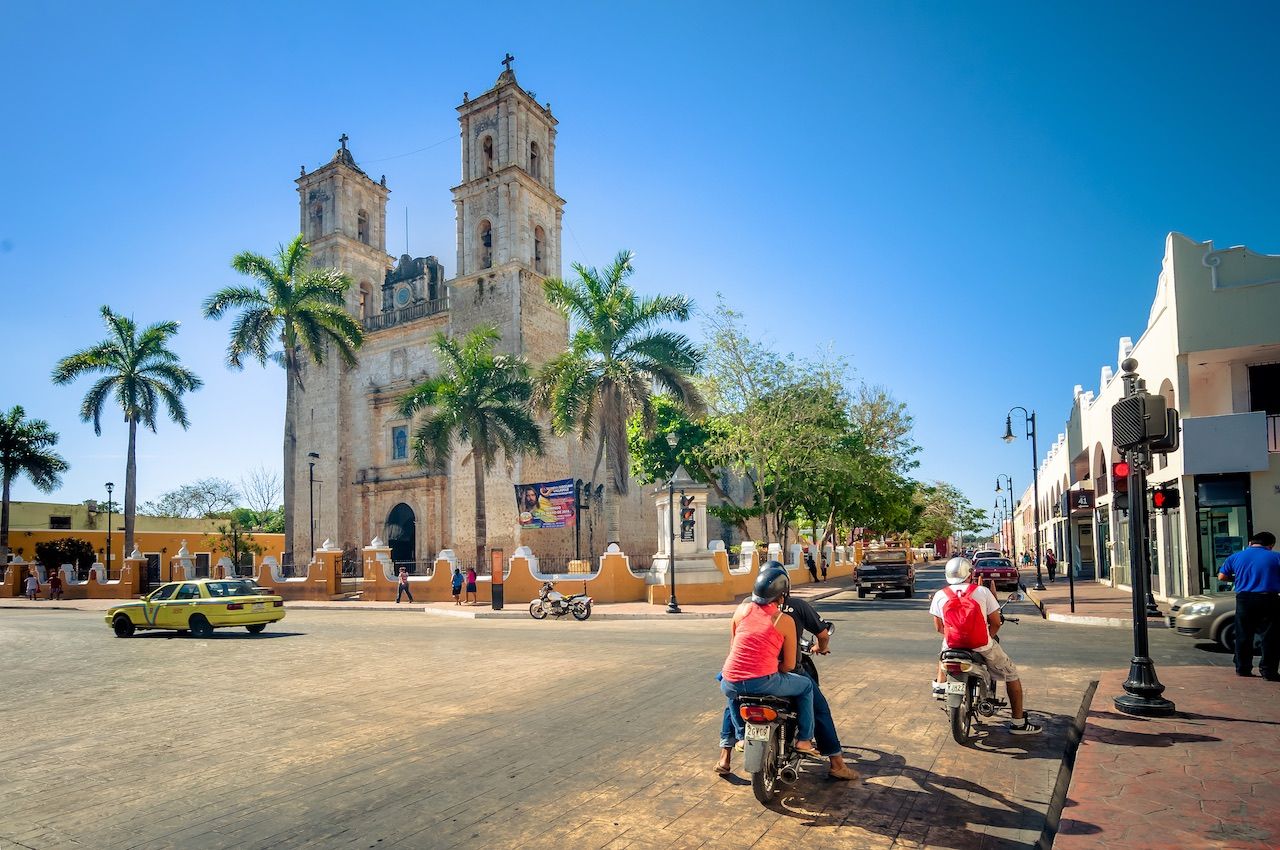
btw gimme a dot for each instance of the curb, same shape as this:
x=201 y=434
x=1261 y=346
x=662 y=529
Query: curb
x=1111 y=622
x=1058 y=797
x=595 y=615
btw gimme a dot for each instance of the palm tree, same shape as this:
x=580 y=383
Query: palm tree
x=140 y=371
x=479 y=399
x=26 y=448
x=617 y=356
x=301 y=309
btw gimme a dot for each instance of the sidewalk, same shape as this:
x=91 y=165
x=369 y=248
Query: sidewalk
x=1207 y=777
x=1096 y=604
x=512 y=611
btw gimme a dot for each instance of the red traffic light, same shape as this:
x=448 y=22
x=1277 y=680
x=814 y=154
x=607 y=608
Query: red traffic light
x=1166 y=497
x=1120 y=470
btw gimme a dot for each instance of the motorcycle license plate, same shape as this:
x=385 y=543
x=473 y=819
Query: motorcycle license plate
x=757 y=733
x=955 y=687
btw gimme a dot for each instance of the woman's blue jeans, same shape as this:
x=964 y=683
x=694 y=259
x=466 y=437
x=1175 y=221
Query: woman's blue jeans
x=779 y=685
x=824 y=725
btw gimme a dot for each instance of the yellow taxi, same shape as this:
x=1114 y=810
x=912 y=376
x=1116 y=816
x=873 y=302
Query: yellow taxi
x=198 y=606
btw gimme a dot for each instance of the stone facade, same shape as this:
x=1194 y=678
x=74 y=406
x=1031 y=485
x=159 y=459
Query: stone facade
x=509 y=223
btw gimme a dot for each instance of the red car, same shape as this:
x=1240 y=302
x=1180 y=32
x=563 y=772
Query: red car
x=998 y=570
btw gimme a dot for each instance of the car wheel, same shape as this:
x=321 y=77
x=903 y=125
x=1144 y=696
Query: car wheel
x=200 y=626
x=1227 y=637
x=909 y=592
x=256 y=628
x=122 y=626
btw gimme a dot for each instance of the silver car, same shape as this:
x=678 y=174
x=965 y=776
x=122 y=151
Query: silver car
x=1209 y=616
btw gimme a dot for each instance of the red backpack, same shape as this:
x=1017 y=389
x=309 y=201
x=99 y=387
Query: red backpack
x=964 y=625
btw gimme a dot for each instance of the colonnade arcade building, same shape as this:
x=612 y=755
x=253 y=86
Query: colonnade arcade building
x=1211 y=348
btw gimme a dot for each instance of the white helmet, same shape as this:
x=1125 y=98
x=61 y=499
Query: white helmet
x=958 y=570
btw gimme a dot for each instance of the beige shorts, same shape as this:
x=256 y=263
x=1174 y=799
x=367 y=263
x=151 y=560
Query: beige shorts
x=999 y=663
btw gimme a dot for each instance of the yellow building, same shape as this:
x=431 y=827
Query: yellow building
x=90 y=515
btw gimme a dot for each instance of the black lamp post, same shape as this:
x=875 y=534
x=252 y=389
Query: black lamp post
x=311 y=493
x=673 y=607
x=1143 y=689
x=110 y=488
x=1013 y=523
x=1030 y=420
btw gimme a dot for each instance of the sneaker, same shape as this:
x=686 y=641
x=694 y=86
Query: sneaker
x=1025 y=728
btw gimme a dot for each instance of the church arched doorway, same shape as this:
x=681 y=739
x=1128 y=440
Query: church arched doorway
x=402 y=537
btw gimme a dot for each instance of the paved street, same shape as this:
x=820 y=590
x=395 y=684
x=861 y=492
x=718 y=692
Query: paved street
x=395 y=729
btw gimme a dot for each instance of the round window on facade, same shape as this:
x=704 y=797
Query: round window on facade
x=402 y=296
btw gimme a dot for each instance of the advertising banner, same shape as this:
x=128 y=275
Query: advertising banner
x=548 y=504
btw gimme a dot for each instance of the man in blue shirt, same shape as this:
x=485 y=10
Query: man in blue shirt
x=1256 y=573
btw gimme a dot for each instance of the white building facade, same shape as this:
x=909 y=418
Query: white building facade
x=1211 y=348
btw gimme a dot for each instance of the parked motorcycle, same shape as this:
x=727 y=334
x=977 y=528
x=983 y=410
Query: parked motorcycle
x=971 y=690
x=769 y=753
x=553 y=602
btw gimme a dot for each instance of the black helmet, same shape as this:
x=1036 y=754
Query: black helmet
x=772 y=584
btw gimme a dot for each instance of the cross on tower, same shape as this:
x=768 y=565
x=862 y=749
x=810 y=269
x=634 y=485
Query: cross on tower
x=507 y=60
x=342 y=140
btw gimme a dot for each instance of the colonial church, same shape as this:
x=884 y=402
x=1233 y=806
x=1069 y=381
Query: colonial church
x=353 y=457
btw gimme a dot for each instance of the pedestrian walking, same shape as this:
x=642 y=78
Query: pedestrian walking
x=55 y=586
x=457 y=586
x=402 y=589
x=1256 y=573
x=824 y=566
x=808 y=562
x=33 y=584
x=471 y=586
x=1051 y=563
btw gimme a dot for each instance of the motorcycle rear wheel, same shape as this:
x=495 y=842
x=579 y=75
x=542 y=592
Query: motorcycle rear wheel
x=536 y=611
x=764 y=782
x=581 y=610
x=962 y=715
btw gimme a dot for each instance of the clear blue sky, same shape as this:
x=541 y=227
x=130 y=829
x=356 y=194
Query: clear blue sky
x=968 y=200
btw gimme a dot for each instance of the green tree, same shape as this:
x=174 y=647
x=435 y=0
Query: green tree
x=478 y=399
x=618 y=353
x=944 y=510
x=234 y=538
x=297 y=307
x=66 y=550
x=140 y=372
x=26 y=448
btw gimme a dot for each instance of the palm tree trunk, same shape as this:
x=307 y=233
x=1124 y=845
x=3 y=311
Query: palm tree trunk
x=613 y=508
x=290 y=450
x=4 y=524
x=482 y=520
x=131 y=485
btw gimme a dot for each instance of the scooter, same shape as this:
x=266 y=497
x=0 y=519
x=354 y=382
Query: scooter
x=769 y=753
x=970 y=689
x=553 y=602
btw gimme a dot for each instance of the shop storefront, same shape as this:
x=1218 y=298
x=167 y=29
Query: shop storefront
x=1224 y=522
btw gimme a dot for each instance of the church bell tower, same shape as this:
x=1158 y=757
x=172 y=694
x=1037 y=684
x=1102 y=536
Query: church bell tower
x=508 y=218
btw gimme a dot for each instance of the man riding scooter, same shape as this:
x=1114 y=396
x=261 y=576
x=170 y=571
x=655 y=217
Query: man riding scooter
x=806 y=619
x=959 y=572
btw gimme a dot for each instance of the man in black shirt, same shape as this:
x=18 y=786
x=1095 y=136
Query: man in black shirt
x=825 y=737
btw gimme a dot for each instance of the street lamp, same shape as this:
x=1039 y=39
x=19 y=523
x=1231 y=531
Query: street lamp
x=110 y=487
x=311 y=492
x=1030 y=420
x=1013 y=509
x=672 y=606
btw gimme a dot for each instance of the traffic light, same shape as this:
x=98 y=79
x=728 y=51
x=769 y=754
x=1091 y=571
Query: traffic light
x=1166 y=497
x=1120 y=477
x=686 y=517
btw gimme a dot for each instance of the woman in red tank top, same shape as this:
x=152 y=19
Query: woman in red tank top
x=762 y=649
